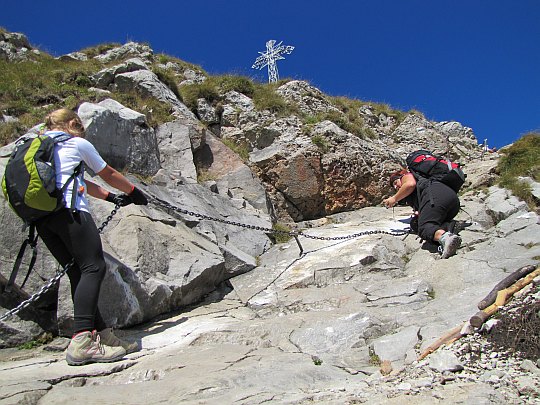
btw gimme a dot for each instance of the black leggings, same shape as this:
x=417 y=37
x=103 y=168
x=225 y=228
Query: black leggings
x=439 y=204
x=75 y=236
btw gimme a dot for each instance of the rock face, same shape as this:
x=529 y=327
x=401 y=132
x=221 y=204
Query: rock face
x=290 y=172
x=223 y=314
x=14 y=47
x=172 y=258
x=122 y=136
x=342 y=322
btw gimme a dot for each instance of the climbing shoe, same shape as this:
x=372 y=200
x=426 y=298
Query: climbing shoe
x=108 y=338
x=86 y=347
x=449 y=244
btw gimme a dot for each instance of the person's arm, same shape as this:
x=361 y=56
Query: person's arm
x=96 y=191
x=112 y=177
x=115 y=179
x=408 y=184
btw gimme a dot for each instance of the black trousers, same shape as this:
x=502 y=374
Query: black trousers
x=75 y=236
x=438 y=205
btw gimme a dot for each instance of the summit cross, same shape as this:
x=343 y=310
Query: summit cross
x=273 y=53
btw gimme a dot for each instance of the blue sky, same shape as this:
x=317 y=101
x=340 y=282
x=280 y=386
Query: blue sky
x=472 y=61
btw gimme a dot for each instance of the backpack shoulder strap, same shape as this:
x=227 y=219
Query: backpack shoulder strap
x=61 y=137
x=32 y=241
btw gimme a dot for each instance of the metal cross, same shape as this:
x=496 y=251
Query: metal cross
x=268 y=58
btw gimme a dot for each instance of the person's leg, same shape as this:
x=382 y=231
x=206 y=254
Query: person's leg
x=438 y=204
x=76 y=236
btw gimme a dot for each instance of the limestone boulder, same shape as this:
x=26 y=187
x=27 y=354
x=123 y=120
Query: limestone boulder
x=148 y=84
x=121 y=136
x=309 y=99
x=128 y=50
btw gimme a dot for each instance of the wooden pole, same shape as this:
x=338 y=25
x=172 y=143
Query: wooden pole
x=503 y=296
x=507 y=282
x=449 y=337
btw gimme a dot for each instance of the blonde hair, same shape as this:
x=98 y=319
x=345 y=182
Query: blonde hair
x=66 y=120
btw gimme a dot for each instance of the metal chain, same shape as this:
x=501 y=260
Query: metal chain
x=52 y=282
x=295 y=234
x=168 y=206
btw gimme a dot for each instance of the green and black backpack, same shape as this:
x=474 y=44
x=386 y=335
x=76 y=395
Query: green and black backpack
x=29 y=186
x=29 y=182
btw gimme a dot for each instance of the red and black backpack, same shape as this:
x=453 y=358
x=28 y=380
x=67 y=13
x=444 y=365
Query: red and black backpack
x=423 y=163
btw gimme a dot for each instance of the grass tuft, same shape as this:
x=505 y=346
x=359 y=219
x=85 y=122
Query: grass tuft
x=522 y=159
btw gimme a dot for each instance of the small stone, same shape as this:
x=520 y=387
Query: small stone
x=525 y=385
x=493 y=379
x=529 y=366
x=445 y=361
x=423 y=382
x=404 y=386
x=386 y=367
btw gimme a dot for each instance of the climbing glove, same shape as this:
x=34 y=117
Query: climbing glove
x=138 y=197
x=121 y=200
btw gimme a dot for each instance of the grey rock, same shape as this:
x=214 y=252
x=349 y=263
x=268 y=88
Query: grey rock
x=501 y=204
x=130 y=49
x=528 y=365
x=309 y=99
x=206 y=112
x=106 y=77
x=148 y=84
x=444 y=360
x=73 y=56
x=122 y=136
x=395 y=346
x=534 y=185
x=176 y=153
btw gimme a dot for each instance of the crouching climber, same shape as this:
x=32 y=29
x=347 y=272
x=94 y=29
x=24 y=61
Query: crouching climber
x=436 y=205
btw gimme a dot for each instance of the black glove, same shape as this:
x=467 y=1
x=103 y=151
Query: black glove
x=138 y=197
x=121 y=200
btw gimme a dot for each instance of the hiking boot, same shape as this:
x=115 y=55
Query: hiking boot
x=86 y=347
x=110 y=339
x=449 y=245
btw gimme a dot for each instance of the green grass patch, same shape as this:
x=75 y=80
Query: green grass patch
x=204 y=175
x=155 y=111
x=374 y=359
x=30 y=90
x=281 y=232
x=382 y=108
x=240 y=150
x=521 y=159
x=193 y=92
x=321 y=142
x=95 y=50
x=240 y=84
x=9 y=131
x=353 y=122
x=168 y=78
x=214 y=88
x=42 y=339
x=266 y=98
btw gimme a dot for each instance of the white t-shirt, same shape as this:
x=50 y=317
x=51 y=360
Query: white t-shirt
x=67 y=156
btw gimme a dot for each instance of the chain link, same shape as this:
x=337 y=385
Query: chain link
x=164 y=204
x=294 y=234
x=53 y=281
